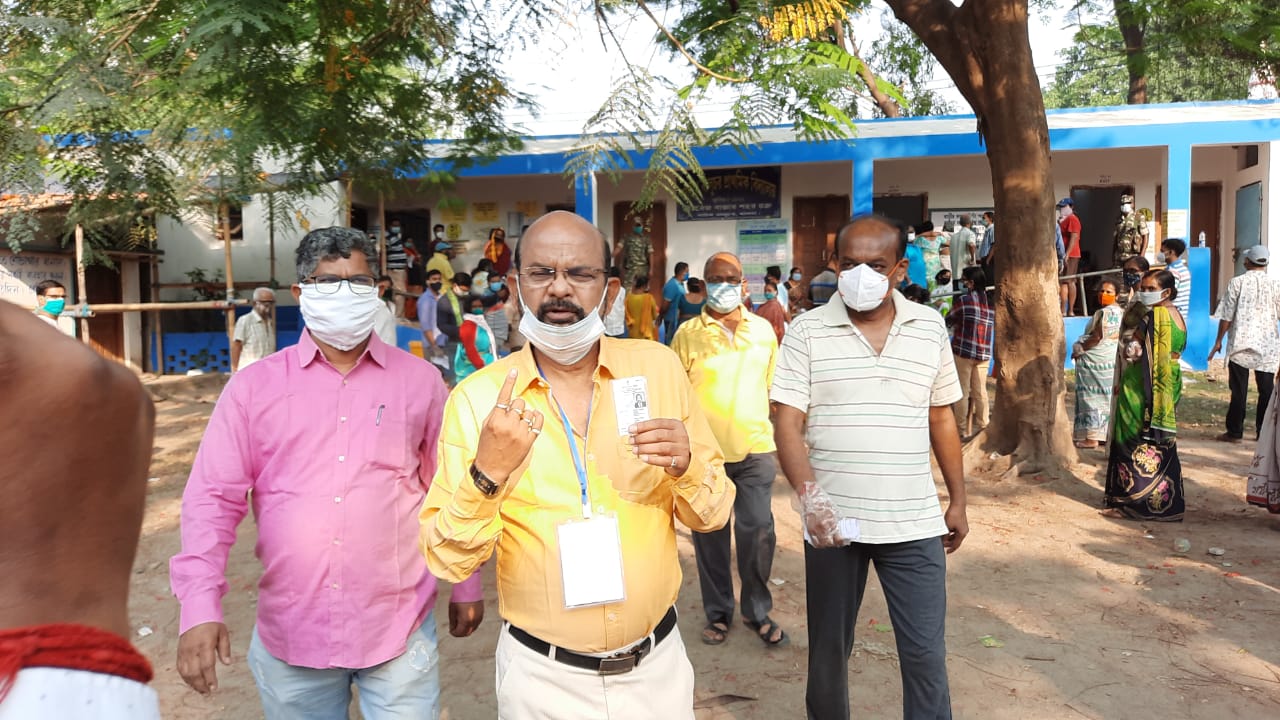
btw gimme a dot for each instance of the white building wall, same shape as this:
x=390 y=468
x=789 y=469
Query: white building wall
x=694 y=241
x=1221 y=164
x=190 y=243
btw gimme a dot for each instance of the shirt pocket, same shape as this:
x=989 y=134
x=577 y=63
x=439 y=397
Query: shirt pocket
x=388 y=444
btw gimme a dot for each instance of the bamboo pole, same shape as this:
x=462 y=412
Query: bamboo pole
x=157 y=324
x=382 y=235
x=224 y=211
x=86 y=311
x=81 y=292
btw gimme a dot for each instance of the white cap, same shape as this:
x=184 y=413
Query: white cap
x=1257 y=255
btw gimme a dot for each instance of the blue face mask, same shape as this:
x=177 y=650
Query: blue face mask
x=55 y=306
x=770 y=295
x=495 y=286
x=796 y=277
x=477 y=311
x=724 y=297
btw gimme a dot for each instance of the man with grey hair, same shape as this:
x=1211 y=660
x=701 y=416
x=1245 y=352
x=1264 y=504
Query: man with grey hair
x=255 y=336
x=334 y=440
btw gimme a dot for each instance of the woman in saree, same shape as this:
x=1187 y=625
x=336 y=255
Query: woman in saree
x=1144 y=476
x=1095 y=358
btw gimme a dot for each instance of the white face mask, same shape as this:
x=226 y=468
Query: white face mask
x=911 y=236
x=1126 y=208
x=724 y=297
x=562 y=344
x=341 y=319
x=862 y=288
x=1160 y=258
x=1150 y=298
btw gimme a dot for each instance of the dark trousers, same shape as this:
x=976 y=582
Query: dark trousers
x=753 y=529
x=913 y=575
x=1239 y=381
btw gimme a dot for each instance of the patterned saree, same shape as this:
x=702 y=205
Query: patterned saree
x=1144 y=476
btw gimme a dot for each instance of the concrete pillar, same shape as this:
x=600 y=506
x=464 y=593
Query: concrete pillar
x=863 y=190
x=1177 y=194
x=129 y=287
x=584 y=197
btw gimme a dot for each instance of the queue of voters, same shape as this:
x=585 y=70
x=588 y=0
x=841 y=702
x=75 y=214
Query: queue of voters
x=568 y=417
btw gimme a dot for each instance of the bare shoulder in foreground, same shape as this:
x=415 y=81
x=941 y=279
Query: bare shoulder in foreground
x=75 y=455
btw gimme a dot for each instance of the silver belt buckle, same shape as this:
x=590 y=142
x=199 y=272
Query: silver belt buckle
x=617 y=665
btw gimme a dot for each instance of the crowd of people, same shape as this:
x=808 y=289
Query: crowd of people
x=546 y=442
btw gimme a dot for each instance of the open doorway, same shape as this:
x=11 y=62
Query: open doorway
x=1098 y=207
x=905 y=209
x=1206 y=217
x=815 y=221
x=654 y=221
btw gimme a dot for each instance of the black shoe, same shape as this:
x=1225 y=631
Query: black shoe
x=1229 y=438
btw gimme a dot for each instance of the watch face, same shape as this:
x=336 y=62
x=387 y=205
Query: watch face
x=483 y=483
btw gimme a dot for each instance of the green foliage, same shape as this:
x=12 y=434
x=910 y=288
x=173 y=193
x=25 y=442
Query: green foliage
x=226 y=89
x=1192 y=50
x=777 y=62
x=901 y=60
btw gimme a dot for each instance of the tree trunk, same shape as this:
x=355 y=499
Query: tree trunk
x=985 y=48
x=1133 y=30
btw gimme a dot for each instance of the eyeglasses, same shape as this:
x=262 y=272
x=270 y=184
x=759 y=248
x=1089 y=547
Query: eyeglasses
x=329 y=284
x=540 y=277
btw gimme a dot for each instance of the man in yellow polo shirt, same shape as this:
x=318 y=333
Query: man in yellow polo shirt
x=573 y=457
x=729 y=354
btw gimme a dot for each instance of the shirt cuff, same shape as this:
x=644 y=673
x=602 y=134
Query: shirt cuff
x=198 y=611
x=469 y=590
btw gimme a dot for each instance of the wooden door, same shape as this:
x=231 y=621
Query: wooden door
x=814 y=222
x=655 y=221
x=106 y=331
x=1206 y=217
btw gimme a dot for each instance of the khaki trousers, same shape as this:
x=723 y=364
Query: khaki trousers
x=532 y=686
x=971 y=410
x=399 y=280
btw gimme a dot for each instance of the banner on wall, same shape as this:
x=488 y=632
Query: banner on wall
x=762 y=243
x=453 y=213
x=484 y=212
x=738 y=193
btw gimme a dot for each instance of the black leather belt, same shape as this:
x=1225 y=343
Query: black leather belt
x=614 y=665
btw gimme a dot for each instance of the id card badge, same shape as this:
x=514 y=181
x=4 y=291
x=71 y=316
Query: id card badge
x=630 y=401
x=591 y=561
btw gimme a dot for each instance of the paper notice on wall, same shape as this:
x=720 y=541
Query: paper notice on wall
x=1176 y=224
x=529 y=208
x=19 y=274
x=484 y=212
x=762 y=243
x=453 y=214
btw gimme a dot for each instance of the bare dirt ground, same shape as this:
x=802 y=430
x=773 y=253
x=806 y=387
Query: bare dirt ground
x=1084 y=616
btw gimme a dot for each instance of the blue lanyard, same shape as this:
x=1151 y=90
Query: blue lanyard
x=578 y=465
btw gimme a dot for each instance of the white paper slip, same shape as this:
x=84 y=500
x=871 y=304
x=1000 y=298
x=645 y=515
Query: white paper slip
x=630 y=401
x=591 y=561
x=849 y=530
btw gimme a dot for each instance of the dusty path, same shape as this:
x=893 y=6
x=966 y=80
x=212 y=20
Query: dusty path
x=1093 y=619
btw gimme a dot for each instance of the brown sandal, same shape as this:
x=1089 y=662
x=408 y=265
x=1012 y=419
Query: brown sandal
x=715 y=633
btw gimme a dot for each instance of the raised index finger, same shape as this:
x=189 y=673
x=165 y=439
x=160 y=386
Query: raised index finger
x=504 y=395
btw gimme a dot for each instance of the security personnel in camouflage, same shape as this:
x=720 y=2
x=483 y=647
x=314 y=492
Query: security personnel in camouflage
x=635 y=254
x=1131 y=233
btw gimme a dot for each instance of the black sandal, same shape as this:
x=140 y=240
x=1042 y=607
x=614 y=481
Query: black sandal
x=715 y=633
x=765 y=630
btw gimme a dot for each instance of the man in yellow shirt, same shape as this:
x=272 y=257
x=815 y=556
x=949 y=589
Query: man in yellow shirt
x=573 y=457
x=440 y=259
x=729 y=354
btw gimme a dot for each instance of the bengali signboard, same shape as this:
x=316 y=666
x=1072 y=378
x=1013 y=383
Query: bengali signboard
x=739 y=194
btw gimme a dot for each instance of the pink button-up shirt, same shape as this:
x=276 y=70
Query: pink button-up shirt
x=337 y=469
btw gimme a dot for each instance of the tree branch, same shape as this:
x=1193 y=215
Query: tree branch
x=688 y=55
x=883 y=101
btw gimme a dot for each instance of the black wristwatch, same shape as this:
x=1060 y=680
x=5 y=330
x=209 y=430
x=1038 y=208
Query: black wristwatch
x=484 y=483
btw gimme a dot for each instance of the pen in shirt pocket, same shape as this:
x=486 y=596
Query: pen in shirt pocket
x=378 y=421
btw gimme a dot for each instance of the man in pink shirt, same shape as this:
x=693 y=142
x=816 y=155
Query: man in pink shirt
x=334 y=440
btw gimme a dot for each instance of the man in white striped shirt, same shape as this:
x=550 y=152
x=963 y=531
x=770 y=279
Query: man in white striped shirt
x=1175 y=258
x=863 y=390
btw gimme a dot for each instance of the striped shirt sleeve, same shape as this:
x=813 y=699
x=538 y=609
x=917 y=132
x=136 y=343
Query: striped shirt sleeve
x=946 y=386
x=791 y=380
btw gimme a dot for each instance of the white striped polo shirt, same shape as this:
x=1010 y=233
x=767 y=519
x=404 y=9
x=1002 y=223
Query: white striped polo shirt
x=868 y=415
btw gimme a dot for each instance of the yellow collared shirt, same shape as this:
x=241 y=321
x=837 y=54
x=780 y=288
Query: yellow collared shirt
x=731 y=374
x=461 y=527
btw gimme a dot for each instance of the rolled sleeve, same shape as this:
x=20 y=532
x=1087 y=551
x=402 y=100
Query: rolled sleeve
x=460 y=524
